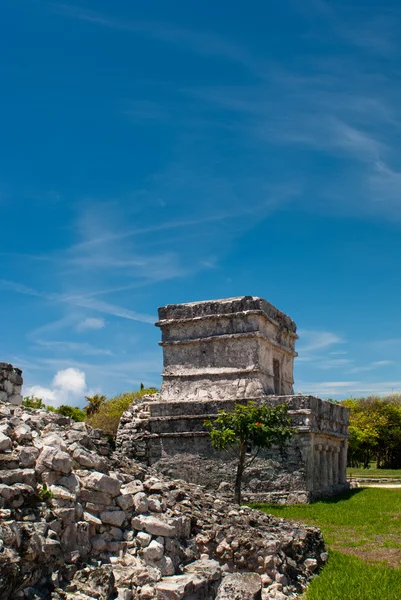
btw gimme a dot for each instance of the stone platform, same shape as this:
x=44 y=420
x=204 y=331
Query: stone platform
x=171 y=436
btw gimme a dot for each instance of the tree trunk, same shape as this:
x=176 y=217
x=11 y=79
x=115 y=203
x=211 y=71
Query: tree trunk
x=240 y=471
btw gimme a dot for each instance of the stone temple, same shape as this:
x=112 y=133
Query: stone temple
x=217 y=353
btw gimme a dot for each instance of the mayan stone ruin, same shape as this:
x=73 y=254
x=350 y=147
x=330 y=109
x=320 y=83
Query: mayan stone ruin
x=217 y=353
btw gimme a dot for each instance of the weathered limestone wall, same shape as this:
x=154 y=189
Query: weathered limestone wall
x=171 y=436
x=10 y=384
x=233 y=348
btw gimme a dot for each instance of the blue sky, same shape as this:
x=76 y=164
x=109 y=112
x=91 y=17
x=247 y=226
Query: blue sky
x=164 y=152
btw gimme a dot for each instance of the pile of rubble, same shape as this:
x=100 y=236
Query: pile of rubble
x=76 y=522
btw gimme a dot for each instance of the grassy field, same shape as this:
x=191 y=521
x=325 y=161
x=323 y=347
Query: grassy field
x=375 y=473
x=362 y=530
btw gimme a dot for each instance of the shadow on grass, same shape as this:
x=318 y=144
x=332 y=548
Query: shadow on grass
x=345 y=496
x=331 y=500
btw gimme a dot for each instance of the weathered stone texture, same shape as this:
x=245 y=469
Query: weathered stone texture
x=10 y=384
x=217 y=353
x=126 y=531
x=226 y=349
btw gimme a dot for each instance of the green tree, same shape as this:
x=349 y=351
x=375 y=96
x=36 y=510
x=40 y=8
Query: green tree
x=94 y=404
x=246 y=430
x=375 y=431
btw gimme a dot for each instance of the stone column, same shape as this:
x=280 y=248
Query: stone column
x=329 y=466
x=343 y=463
x=323 y=467
x=317 y=475
x=336 y=457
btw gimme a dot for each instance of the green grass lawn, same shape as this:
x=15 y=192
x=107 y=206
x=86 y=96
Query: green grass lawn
x=362 y=530
x=374 y=473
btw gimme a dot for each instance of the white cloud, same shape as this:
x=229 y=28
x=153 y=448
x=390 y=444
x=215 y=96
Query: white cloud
x=38 y=391
x=68 y=387
x=70 y=380
x=91 y=323
x=315 y=340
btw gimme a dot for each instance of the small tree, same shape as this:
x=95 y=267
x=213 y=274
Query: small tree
x=246 y=430
x=94 y=403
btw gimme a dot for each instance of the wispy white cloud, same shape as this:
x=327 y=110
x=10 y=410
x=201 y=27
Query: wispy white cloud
x=83 y=302
x=90 y=323
x=203 y=43
x=74 y=347
x=316 y=340
x=371 y=366
x=342 y=389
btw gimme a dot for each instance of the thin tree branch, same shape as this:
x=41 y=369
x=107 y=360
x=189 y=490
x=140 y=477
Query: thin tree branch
x=248 y=464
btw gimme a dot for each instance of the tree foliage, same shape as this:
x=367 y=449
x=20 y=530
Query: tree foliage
x=246 y=430
x=33 y=402
x=375 y=431
x=75 y=413
x=108 y=415
x=94 y=403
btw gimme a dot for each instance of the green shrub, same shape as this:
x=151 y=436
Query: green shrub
x=45 y=494
x=33 y=402
x=75 y=413
x=107 y=417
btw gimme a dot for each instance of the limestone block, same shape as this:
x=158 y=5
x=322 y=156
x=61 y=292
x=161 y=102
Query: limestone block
x=5 y=442
x=91 y=519
x=8 y=387
x=61 y=493
x=15 y=399
x=154 y=525
x=100 y=498
x=153 y=552
x=90 y=460
x=240 y=586
x=125 y=501
x=140 y=502
x=113 y=517
x=103 y=483
x=142 y=538
x=23 y=433
x=28 y=456
x=55 y=459
x=71 y=482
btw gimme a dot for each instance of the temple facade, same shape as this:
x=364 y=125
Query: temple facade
x=217 y=353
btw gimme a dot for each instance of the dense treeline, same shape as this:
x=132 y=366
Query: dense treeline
x=375 y=431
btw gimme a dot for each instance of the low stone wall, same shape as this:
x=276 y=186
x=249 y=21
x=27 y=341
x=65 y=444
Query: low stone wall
x=171 y=437
x=10 y=384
